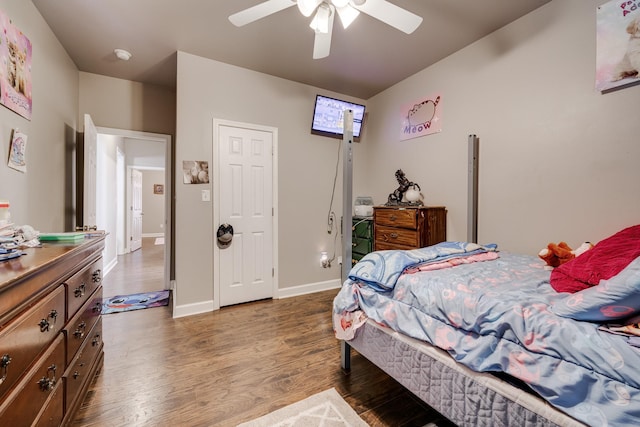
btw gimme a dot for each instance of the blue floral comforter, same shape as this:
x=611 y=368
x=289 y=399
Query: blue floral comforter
x=495 y=316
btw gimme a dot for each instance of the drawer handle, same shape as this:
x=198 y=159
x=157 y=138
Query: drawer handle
x=47 y=383
x=4 y=364
x=44 y=325
x=96 y=340
x=394 y=235
x=393 y=217
x=97 y=307
x=79 y=291
x=53 y=315
x=79 y=332
x=96 y=276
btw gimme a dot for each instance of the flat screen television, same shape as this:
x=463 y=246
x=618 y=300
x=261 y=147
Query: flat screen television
x=328 y=117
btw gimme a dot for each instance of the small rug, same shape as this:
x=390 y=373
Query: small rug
x=121 y=303
x=159 y=241
x=327 y=409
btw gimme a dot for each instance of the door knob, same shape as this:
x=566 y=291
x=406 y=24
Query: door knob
x=224 y=235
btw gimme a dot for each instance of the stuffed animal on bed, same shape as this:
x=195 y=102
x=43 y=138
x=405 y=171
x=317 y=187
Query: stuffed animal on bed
x=555 y=255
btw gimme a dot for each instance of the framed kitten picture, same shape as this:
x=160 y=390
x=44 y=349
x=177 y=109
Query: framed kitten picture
x=618 y=45
x=15 y=79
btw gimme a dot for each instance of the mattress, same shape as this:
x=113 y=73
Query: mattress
x=466 y=397
x=501 y=315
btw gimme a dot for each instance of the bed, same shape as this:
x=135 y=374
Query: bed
x=491 y=338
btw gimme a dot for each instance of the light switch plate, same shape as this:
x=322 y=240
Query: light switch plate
x=206 y=196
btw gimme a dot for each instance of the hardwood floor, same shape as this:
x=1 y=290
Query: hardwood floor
x=229 y=366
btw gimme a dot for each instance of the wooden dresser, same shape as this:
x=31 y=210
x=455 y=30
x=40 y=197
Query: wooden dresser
x=405 y=227
x=50 y=332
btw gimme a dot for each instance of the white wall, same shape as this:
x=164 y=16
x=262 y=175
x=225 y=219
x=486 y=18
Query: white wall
x=558 y=160
x=152 y=204
x=43 y=196
x=106 y=206
x=209 y=89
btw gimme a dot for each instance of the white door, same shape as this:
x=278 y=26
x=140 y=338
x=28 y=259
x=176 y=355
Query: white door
x=90 y=183
x=245 y=188
x=135 y=242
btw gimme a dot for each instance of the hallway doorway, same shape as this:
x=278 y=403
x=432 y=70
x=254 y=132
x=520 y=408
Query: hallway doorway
x=119 y=153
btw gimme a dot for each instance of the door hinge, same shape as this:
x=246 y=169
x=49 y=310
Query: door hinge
x=273 y=272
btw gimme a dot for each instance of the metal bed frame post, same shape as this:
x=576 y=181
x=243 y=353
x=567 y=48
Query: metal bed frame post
x=472 y=190
x=347 y=216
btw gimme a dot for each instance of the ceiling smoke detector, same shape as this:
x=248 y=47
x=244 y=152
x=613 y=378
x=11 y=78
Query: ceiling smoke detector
x=122 y=54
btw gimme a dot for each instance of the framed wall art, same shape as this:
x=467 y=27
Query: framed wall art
x=618 y=45
x=15 y=58
x=422 y=117
x=18 y=151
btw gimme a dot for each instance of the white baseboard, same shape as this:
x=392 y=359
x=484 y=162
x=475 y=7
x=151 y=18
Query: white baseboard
x=106 y=269
x=152 y=234
x=293 y=291
x=192 y=309
x=310 y=288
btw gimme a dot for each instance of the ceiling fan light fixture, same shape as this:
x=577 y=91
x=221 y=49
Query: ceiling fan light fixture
x=306 y=7
x=358 y=2
x=320 y=22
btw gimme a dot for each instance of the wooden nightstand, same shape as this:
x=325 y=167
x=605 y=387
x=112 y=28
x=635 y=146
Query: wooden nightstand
x=408 y=227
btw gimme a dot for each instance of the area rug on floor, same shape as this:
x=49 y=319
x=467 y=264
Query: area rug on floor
x=159 y=241
x=323 y=409
x=121 y=303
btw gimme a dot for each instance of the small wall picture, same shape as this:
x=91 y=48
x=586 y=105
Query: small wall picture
x=420 y=118
x=618 y=45
x=158 y=189
x=195 y=171
x=18 y=151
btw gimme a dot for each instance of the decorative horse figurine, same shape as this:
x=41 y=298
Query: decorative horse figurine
x=395 y=198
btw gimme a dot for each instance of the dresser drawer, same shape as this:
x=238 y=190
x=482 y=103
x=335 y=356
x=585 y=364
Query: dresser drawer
x=397 y=236
x=404 y=218
x=53 y=413
x=40 y=388
x=25 y=337
x=79 y=326
x=81 y=285
x=80 y=367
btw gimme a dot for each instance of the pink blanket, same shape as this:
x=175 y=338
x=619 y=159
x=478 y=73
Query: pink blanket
x=485 y=256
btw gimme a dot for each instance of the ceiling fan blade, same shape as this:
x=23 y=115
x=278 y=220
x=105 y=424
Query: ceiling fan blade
x=390 y=14
x=322 y=41
x=259 y=11
x=347 y=15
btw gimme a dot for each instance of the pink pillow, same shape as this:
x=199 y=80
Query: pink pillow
x=606 y=259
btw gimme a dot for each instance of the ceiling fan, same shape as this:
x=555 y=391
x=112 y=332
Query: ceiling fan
x=325 y=10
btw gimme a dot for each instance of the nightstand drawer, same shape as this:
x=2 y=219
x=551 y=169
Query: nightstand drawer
x=397 y=236
x=361 y=246
x=404 y=218
x=362 y=229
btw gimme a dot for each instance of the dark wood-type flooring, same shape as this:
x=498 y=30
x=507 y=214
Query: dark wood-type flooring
x=229 y=366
